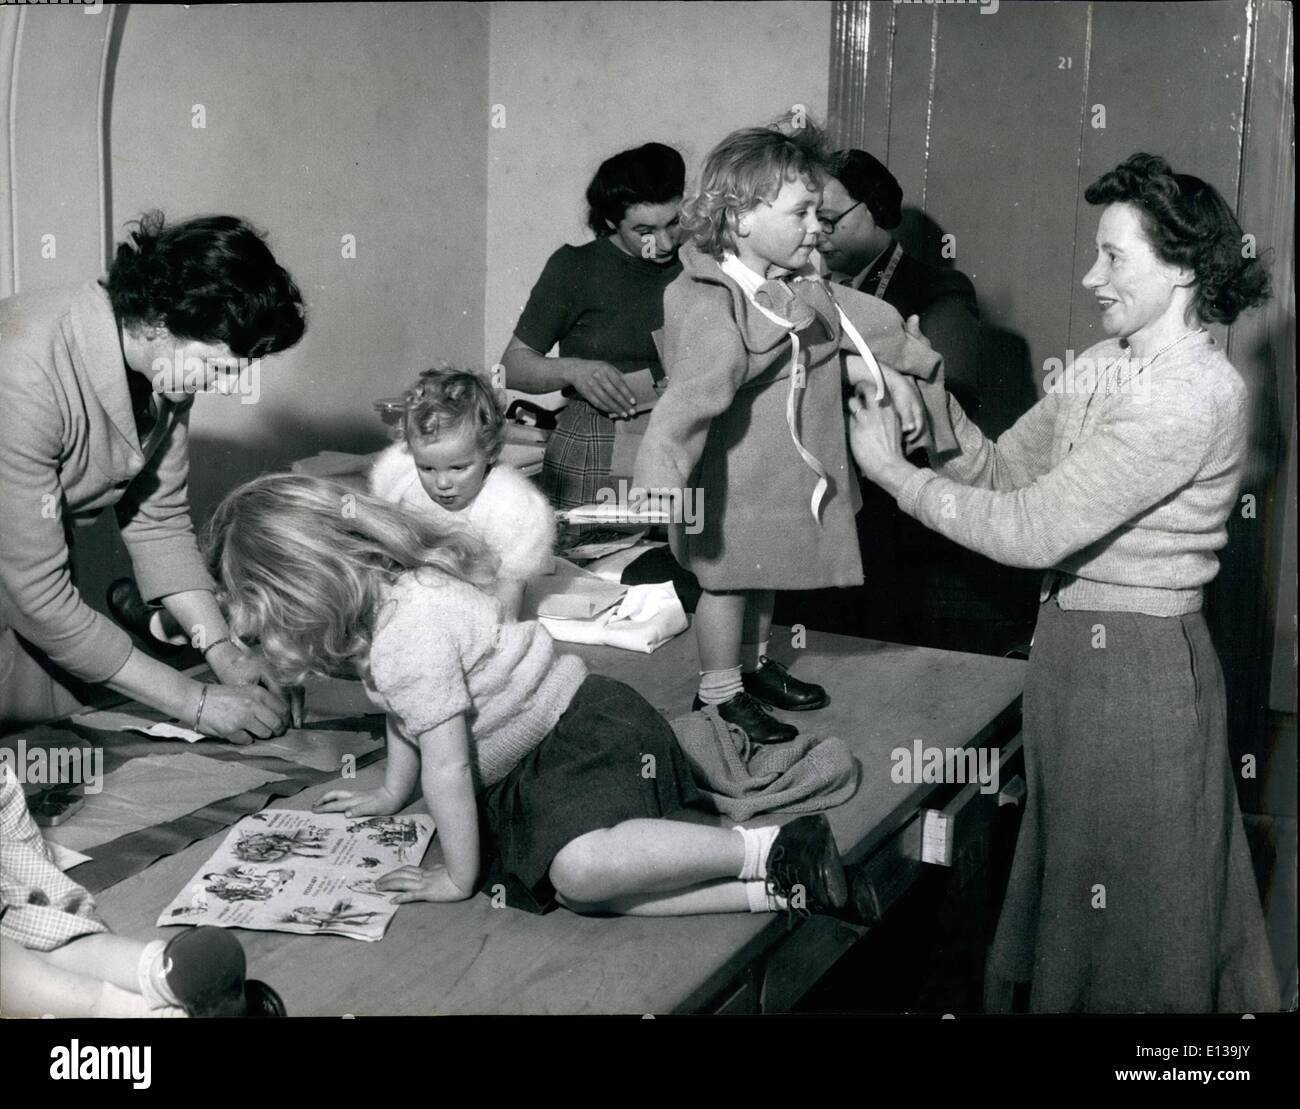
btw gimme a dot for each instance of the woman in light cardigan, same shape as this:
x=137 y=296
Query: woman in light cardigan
x=96 y=386
x=1132 y=888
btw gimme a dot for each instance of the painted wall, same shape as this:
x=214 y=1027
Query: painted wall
x=319 y=122
x=51 y=187
x=579 y=82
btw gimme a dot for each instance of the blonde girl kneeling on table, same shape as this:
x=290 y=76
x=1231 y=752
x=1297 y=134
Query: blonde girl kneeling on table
x=532 y=769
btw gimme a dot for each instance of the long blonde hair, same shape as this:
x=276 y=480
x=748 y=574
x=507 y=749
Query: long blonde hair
x=302 y=560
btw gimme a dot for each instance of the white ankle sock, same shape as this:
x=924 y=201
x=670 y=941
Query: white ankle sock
x=719 y=686
x=113 y=1001
x=152 y=975
x=758 y=842
x=761 y=901
x=751 y=655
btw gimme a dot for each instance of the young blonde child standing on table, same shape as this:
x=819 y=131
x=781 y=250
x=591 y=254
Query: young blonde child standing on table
x=447 y=467
x=533 y=770
x=753 y=415
x=59 y=959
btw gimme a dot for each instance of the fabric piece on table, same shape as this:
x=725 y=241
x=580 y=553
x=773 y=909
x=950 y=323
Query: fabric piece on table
x=152 y=790
x=743 y=780
x=319 y=748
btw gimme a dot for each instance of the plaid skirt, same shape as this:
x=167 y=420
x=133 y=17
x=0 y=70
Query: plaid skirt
x=579 y=454
x=40 y=906
x=1132 y=888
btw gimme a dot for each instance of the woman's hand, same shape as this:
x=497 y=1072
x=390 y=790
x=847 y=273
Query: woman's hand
x=370 y=802
x=414 y=883
x=242 y=713
x=877 y=443
x=234 y=666
x=601 y=386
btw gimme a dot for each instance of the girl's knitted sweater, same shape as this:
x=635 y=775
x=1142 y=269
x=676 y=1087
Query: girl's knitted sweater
x=440 y=649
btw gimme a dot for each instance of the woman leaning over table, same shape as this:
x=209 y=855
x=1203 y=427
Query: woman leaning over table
x=1131 y=888
x=96 y=386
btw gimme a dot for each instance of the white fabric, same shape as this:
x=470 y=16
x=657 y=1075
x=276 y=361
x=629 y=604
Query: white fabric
x=647 y=618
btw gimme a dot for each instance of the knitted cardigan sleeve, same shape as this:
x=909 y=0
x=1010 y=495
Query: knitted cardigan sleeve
x=1143 y=450
x=37 y=596
x=1021 y=453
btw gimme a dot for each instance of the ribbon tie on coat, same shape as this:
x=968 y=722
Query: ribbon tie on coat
x=780 y=302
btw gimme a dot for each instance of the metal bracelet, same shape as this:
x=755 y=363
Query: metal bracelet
x=198 y=712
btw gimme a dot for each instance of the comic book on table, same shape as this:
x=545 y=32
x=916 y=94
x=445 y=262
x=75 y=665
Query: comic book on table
x=287 y=870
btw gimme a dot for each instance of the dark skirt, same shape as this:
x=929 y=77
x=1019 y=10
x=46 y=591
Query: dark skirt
x=1132 y=888
x=611 y=757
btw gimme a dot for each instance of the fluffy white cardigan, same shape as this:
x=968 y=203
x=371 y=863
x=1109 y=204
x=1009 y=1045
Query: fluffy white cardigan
x=510 y=514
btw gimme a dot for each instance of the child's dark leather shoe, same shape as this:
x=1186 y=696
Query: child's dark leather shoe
x=748 y=715
x=774 y=685
x=804 y=866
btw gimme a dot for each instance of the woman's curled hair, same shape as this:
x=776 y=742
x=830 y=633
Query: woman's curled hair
x=649 y=174
x=302 y=562
x=1189 y=224
x=212 y=279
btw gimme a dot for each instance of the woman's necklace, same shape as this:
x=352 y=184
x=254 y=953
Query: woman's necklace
x=1170 y=346
x=1144 y=364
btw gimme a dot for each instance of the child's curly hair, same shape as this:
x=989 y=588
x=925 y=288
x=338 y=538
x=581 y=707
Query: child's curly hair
x=446 y=398
x=749 y=166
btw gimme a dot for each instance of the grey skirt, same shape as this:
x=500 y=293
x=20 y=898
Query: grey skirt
x=1132 y=888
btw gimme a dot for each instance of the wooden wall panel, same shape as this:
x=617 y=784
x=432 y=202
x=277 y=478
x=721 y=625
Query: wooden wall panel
x=908 y=107
x=990 y=133
x=1171 y=81
x=1001 y=172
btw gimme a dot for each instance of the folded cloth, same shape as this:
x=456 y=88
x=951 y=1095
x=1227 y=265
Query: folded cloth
x=646 y=618
x=742 y=779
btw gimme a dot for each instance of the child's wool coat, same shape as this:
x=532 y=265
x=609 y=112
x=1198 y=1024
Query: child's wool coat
x=721 y=426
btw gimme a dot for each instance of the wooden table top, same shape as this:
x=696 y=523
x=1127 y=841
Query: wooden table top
x=471 y=958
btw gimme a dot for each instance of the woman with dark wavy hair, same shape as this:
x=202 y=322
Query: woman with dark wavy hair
x=96 y=386
x=1132 y=888
x=600 y=303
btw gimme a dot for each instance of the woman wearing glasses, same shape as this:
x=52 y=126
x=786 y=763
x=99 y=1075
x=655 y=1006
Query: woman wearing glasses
x=862 y=204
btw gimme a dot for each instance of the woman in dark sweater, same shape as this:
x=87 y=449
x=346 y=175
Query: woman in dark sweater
x=601 y=302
